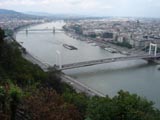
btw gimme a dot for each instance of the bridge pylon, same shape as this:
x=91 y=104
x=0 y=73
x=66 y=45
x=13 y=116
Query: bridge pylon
x=58 y=59
x=152 y=45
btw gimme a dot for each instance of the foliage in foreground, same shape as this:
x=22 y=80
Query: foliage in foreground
x=124 y=106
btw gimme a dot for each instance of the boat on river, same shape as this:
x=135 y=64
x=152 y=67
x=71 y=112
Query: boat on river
x=70 y=47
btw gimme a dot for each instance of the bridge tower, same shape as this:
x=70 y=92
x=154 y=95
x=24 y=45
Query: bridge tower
x=54 y=30
x=58 y=59
x=152 y=45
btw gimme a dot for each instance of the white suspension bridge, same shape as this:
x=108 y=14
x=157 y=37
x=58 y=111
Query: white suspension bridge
x=150 y=56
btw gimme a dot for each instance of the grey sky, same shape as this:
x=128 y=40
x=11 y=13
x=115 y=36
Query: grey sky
x=143 y=8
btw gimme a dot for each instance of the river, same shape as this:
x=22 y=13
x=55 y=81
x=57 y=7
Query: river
x=135 y=76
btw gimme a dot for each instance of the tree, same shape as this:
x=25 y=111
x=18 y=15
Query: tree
x=53 y=80
x=124 y=106
x=2 y=99
x=100 y=109
x=133 y=107
x=2 y=35
x=1 y=40
x=46 y=104
x=9 y=101
x=15 y=97
x=79 y=100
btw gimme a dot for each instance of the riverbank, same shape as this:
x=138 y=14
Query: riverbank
x=79 y=87
x=105 y=45
x=108 y=46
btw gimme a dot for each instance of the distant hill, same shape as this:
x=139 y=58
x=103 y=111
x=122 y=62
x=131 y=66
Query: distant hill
x=56 y=15
x=30 y=15
x=8 y=12
x=39 y=13
x=16 y=15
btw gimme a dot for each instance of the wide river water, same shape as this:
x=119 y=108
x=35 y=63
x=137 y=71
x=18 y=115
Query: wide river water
x=135 y=76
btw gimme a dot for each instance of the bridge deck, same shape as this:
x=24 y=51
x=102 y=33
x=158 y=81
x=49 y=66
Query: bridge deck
x=107 y=60
x=42 y=30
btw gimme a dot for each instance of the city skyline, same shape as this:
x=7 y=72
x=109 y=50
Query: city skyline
x=132 y=8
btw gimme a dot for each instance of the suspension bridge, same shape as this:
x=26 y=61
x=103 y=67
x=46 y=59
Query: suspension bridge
x=54 y=30
x=148 y=57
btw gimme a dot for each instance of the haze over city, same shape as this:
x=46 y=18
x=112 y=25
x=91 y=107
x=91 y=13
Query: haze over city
x=132 y=8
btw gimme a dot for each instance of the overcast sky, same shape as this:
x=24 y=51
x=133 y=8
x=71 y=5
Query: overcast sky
x=141 y=8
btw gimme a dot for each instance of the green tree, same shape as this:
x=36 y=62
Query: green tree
x=100 y=109
x=79 y=100
x=133 y=107
x=46 y=104
x=2 y=99
x=2 y=35
x=53 y=81
x=15 y=97
x=124 y=106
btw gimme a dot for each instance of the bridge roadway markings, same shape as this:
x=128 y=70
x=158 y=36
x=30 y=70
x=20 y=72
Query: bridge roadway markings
x=108 y=60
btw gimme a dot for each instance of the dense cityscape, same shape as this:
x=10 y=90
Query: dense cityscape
x=137 y=33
